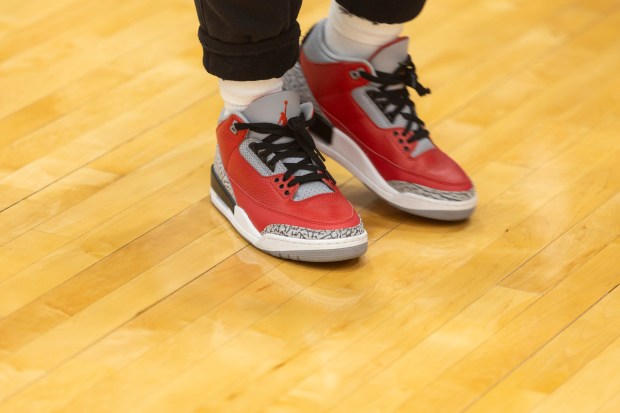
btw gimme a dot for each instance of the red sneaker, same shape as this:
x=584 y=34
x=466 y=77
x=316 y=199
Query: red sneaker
x=269 y=181
x=367 y=122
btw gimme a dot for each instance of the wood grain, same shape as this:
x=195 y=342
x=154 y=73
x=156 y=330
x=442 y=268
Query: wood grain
x=123 y=289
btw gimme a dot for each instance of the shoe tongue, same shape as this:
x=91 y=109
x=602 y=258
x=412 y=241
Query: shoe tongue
x=278 y=108
x=274 y=108
x=387 y=58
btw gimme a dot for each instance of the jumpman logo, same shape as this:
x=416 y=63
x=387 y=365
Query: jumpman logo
x=283 y=120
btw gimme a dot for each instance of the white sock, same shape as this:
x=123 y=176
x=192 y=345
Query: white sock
x=237 y=95
x=351 y=36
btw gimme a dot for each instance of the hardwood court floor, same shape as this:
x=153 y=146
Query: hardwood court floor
x=123 y=290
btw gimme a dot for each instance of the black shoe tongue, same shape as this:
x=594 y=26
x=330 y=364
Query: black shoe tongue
x=387 y=58
x=274 y=108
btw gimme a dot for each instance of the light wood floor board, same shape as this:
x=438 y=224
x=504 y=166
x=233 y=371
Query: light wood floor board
x=123 y=290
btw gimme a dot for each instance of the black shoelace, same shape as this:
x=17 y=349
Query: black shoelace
x=388 y=96
x=301 y=146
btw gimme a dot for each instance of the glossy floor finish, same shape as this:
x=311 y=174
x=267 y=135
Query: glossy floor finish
x=123 y=290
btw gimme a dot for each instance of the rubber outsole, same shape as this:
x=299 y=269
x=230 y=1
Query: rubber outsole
x=340 y=254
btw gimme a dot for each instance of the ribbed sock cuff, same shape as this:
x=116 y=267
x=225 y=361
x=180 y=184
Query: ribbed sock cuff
x=238 y=95
x=352 y=36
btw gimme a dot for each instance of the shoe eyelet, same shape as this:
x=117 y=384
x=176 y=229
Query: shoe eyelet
x=395 y=133
x=355 y=74
x=406 y=148
x=401 y=141
x=286 y=193
x=277 y=180
x=281 y=186
x=233 y=128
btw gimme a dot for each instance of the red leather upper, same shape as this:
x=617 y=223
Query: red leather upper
x=332 y=86
x=266 y=203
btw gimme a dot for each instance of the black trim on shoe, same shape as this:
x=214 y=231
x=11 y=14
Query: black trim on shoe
x=221 y=191
x=322 y=129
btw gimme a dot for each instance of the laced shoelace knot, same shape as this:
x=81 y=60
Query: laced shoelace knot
x=300 y=146
x=393 y=100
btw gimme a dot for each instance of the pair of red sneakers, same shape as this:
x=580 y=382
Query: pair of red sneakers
x=269 y=179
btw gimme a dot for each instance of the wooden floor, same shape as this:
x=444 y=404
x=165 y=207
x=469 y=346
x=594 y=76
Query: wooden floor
x=123 y=290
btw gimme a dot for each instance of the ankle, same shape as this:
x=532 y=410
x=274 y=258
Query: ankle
x=238 y=95
x=351 y=36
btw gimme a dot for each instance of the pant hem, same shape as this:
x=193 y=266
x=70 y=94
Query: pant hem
x=251 y=61
x=384 y=11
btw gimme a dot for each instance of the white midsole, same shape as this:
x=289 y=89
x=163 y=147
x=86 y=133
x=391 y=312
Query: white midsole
x=276 y=243
x=347 y=153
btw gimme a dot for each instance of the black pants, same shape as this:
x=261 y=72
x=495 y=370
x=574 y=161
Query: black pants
x=259 y=39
